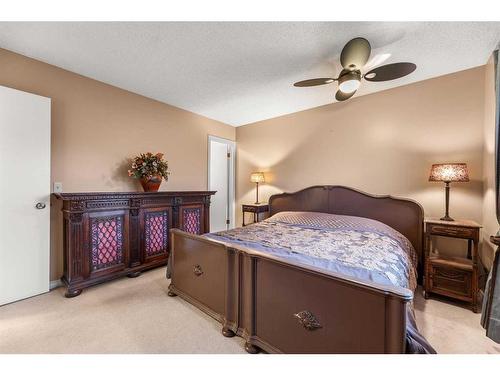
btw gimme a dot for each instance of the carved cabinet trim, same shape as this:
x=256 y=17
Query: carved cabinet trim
x=107 y=235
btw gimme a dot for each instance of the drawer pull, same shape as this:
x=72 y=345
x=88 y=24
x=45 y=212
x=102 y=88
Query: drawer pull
x=308 y=320
x=197 y=270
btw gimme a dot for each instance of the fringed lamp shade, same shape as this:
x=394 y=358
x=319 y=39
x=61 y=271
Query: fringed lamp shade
x=451 y=172
x=257 y=177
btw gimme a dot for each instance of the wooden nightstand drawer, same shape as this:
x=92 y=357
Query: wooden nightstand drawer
x=255 y=208
x=451 y=231
x=250 y=208
x=450 y=281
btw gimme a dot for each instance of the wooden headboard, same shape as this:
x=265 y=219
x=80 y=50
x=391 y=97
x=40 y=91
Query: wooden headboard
x=404 y=215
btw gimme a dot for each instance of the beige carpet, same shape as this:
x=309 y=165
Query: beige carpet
x=136 y=316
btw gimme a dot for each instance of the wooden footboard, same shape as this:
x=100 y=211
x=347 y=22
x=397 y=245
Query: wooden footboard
x=199 y=271
x=284 y=307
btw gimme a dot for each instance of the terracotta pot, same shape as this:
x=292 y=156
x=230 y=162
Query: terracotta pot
x=151 y=183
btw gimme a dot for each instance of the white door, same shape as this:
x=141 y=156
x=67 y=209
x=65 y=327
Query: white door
x=24 y=184
x=221 y=179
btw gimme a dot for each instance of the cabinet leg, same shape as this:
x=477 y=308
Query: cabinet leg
x=134 y=274
x=227 y=332
x=171 y=294
x=252 y=349
x=70 y=293
x=475 y=307
x=426 y=294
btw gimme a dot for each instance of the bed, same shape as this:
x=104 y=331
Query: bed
x=332 y=270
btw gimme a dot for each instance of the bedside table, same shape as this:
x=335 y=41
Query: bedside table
x=256 y=209
x=455 y=277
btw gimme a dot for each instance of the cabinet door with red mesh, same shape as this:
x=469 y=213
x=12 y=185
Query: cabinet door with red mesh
x=191 y=218
x=108 y=241
x=155 y=225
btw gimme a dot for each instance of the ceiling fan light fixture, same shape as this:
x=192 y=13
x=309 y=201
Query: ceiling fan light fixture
x=349 y=82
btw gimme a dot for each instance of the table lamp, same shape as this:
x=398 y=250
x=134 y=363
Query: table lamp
x=257 y=177
x=449 y=172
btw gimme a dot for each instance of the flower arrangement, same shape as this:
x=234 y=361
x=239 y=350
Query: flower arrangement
x=150 y=169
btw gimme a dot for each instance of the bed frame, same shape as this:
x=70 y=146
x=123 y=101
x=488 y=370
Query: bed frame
x=286 y=307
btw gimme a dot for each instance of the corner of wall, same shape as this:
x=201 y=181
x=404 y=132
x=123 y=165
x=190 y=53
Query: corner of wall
x=489 y=219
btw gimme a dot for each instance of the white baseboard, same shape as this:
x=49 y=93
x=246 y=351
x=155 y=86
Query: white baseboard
x=55 y=284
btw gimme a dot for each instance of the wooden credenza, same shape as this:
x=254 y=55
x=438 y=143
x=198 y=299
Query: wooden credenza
x=108 y=235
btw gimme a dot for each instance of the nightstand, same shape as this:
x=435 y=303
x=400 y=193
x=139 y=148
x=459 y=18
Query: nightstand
x=455 y=277
x=256 y=209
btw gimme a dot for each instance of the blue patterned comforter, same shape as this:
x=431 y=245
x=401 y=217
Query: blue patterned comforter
x=353 y=246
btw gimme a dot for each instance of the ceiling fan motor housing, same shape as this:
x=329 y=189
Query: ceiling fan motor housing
x=349 y=80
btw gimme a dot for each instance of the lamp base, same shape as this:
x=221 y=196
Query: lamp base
x=447 y=218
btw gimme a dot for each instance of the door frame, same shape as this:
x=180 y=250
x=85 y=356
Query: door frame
x=231 y=175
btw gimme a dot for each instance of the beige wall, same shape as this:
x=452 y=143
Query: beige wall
x=490 y=222
x=382 y=143
x=96 y=127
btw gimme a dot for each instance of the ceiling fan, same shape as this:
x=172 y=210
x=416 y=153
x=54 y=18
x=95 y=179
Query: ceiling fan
x=354 y=56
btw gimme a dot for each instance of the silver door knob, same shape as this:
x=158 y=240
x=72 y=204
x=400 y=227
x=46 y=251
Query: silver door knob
x=40 y=206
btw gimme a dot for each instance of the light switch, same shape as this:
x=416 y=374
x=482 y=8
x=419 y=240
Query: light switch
x=58 y=187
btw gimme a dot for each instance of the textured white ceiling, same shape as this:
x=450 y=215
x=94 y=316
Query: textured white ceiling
x=239 y=72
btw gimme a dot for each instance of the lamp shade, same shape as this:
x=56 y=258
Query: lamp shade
x=449 y=172
x=257 y=177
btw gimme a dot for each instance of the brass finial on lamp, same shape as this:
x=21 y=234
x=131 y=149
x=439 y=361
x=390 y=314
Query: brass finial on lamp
x=257 y=177
x=449 y=172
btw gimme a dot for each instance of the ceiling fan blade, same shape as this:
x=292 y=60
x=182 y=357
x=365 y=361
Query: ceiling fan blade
x=355 y=54
x=314 y=82
x=390 y=71
x=341 y=96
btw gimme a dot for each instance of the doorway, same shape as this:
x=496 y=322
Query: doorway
x=221 y=164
